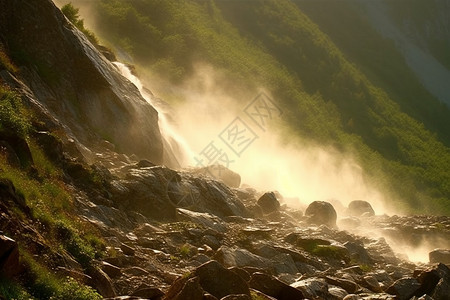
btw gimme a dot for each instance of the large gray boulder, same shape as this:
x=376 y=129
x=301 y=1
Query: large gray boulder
x=321 y=212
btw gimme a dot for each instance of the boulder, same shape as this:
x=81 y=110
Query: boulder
x=433 y=280
x=404 y=288
x=359 y=208
x=9 y=257
x=268 y=203
x=185 y=288
x=101 y=282
x=440 y=256
x=313 y=288
x=321 y=212
x=219 y=172
x=237 y=257
x=273 y=287
x=110 y=269
x=219 y=281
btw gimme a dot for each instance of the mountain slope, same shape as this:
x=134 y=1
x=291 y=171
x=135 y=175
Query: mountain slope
x=330 y=94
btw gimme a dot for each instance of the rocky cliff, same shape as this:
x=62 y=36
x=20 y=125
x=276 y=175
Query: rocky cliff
x=64 y=76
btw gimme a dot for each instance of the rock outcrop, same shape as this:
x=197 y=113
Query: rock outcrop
x=65 y=78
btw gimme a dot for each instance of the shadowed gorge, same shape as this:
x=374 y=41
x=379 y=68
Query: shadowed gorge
x=264 y=149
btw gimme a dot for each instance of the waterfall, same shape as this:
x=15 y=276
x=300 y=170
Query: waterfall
x=177 y=152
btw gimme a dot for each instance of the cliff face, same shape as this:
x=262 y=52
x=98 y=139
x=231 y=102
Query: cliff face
x=67 y=79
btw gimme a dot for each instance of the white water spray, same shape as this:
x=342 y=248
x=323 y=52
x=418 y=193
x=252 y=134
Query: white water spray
x=177 y=150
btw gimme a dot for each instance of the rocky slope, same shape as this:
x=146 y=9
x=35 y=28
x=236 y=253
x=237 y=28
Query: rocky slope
x=163 y=233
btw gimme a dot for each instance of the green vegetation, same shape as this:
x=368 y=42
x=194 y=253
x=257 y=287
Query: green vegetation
x=5 y=61
x=335 y=94
x=48 y=207
x=72 y=13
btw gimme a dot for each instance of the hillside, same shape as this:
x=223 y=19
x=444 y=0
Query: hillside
x=363 y=98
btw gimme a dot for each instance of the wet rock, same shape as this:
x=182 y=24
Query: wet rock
x=185 y=288
x=348 y=285
x=312 y=288
x=9 y=257
x=219 y=281
x=440 y=256
x=360 y=208
x=269 y=203
x=236 y=257
x=127 y=250
x=237 y=297
x=321 y=212
x=371 y=283
x=271 y=286
x=358 y=253
x=205 y=219
x=219 y=172
x=152 y=293
x=111 y=270
x=101 y=282
x=404 y=288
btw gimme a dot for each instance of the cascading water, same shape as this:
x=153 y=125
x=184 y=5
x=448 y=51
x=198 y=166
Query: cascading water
x=177 y=152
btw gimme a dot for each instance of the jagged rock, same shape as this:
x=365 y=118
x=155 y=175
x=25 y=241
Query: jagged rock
x=442 y=290
x=219 y=172
x=269 y=203
x=152 y=293
x=404 y=288
x=127 y=250
x=350 y=286
x=430 y=278
x=359 y=208
x=185 y=288
x=271 y=286
x=101 y=282
x=321 y=212
x=336 y=293
x=9 y=257
x=358 y=253
x=440 y=256
x=371 y=283
x=237 y=297
x=219 y=281
x=111 y=270
x=312 y=288
x=206 y=219
x=236 y=257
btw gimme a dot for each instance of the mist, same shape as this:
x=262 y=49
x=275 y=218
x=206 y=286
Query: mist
x=276 y=159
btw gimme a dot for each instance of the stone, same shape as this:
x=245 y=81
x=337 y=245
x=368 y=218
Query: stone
x=219 y=281
x=101 y=282
x=372 y=284
x=148 y=293
x=268 y=203
x=237 y=257
x=9 y=257
x=273 y=287
x=337 y=292
x=185 y=288
x=206 y=219
x=358 y=253
x=404 y=288
x=237 y=297
x=312 y=288
x=110 y=269
x=127 y=250
x=321 y=212
x=349 y=286
x=430 y=278
x=442 y=289
x=358 y=208
x=440 y=256
x=219 y=172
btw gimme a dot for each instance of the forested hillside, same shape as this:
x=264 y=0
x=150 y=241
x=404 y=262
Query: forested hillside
x=338 y=82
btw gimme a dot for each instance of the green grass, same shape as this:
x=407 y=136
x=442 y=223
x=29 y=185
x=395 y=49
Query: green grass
x=13 y=116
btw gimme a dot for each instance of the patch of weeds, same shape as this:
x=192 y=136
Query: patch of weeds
x=185 y=251
x=12 y=290
x=5 y=62
x=330 y=251
x=83 y=252
x=42 y=284
x=13 y=116
x=366 y=268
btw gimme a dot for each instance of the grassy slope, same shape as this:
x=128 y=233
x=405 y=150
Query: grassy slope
x=326 y=98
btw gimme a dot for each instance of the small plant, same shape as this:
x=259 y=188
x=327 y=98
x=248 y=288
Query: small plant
x=185 y=251
x=72 y=13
